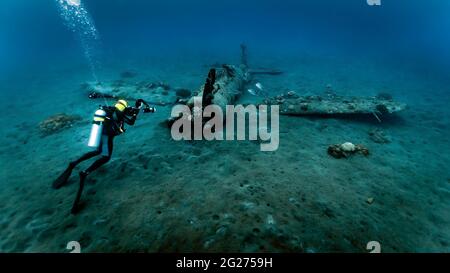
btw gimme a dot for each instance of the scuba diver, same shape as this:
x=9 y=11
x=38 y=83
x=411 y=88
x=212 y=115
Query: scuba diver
x=108 y=123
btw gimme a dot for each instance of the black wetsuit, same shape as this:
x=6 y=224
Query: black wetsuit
x=113 y=126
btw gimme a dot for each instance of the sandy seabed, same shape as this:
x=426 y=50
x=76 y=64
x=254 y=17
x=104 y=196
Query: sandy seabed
x=159 y=195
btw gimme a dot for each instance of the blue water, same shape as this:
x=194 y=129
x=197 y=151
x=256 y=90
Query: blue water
x=160 y=195
x=33 y=30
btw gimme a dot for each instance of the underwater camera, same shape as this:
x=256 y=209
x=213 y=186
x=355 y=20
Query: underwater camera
x=149 y=109
x=135 y=110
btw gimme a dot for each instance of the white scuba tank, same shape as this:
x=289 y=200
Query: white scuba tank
x=97 y=127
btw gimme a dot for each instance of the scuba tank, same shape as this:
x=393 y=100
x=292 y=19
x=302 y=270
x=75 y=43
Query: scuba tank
x=97 y=127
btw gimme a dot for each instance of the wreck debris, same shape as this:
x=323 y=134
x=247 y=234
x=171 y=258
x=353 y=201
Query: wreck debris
x=292 y=104
x=97 y=95
x=252 y=71
x=347 y=149
x=265 y=71
x=377 y=135
x=156 y=93
x=152 y=85
x=57 y=123
x=227 y=88
x=222 y=87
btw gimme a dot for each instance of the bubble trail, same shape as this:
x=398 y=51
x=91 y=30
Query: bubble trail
x=78 y=20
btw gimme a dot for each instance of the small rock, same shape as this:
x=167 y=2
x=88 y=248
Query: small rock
x=379 y=136
x=310 y=250
x=370 y=200
x=247 y=205
x=348 y=147
x=208 y=243
x=270 y=220
x=221 y=231
x=99 y=221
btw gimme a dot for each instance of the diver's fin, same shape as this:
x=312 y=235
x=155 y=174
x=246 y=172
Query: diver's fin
x=76 y=207
x=63 y=178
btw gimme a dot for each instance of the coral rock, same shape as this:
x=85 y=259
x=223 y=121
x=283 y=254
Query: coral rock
x=347 y=149
x=57 y=123
x=379 y=136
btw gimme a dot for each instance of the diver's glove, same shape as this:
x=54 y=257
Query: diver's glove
x=147 y=108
